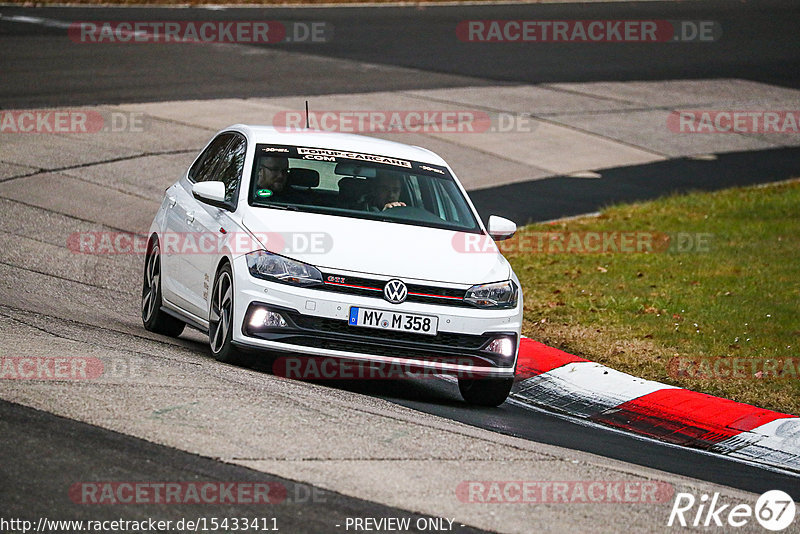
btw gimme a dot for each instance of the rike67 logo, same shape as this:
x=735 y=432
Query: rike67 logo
x=774 y=510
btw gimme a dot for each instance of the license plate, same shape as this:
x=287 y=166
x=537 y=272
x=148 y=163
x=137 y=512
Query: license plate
x=387 y=320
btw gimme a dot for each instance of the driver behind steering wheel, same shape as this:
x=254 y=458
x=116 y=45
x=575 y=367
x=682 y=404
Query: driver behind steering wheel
x=384 y=192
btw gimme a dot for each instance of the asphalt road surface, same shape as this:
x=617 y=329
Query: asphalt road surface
x=410 y=47
x=44 y=474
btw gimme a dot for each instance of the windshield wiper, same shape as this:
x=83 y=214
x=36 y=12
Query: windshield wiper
x=279 y=207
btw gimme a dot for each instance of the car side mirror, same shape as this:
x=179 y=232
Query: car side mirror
x=501 y=228
x=212 y=193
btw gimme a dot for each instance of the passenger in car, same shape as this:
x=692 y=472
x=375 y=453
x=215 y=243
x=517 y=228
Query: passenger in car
x=274 y=176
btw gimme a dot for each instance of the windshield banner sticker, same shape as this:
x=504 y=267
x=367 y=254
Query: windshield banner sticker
x=325 y=153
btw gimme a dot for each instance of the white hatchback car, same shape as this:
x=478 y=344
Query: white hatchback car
x=335 y=246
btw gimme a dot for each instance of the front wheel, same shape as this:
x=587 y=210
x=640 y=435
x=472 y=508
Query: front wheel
x=485 y=391
x=220 y=323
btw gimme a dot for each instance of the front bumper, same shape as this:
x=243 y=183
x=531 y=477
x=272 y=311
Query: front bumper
x=317 y=325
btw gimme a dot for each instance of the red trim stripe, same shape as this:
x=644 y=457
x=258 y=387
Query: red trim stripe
x=378 y=289
x=351 y=285
x=436 y=296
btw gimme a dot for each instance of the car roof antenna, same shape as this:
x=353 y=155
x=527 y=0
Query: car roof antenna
x=307 y=115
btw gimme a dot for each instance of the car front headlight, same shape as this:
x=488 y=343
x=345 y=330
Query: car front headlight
x=269 y=266
x=497 y=295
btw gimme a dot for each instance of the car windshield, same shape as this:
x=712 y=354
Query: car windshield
x=352 y=184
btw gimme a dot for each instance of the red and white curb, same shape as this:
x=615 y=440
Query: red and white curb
x=562 y=382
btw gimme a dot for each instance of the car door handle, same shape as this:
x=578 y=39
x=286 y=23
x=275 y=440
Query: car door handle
x=171 y=201
x=190 y=217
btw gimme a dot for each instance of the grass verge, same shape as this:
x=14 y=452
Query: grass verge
x=701 y=291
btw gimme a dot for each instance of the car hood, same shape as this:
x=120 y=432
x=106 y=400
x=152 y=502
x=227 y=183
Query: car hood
x=377 y=247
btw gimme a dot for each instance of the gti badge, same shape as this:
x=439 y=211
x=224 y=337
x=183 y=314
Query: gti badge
x=395 y=291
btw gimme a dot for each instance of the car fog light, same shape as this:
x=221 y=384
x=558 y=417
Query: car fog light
x=502 y=345
x=262 y=317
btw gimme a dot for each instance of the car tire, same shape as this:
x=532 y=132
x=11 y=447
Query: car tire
x=220 y=318
x=485 y=391
x=153 y=317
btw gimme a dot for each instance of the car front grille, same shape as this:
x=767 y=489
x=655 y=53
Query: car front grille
x=368 y=287
x=336 y=326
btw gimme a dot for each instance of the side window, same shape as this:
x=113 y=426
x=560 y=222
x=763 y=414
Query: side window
x=231 y=165
x=203 y=168
x=453 y=212
x=416 y=193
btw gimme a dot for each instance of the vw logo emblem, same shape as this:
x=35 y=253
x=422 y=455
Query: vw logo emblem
x=395 y=291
